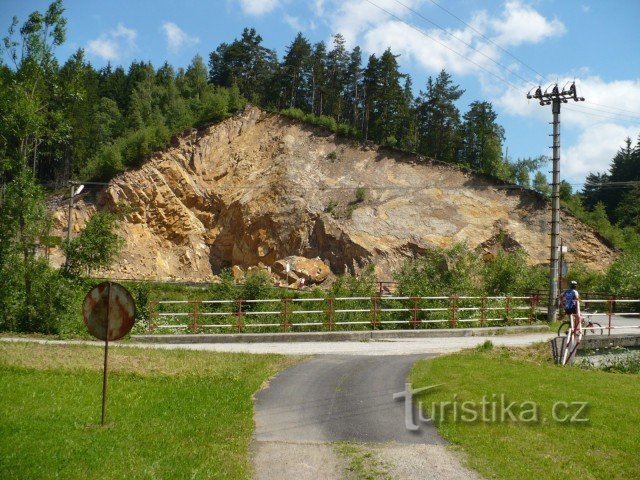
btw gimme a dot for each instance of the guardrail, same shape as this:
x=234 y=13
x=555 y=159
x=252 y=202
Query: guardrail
x=329 y=314
x=614 y=306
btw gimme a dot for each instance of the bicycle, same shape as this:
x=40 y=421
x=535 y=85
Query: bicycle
x=587 y=326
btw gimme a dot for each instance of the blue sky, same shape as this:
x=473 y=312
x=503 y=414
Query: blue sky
x=594 y=42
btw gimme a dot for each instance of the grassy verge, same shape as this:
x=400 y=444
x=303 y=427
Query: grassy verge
x=362 y=463
x=607 y=446
x=172 y=414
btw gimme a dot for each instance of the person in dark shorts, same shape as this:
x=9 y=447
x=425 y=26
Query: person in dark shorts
x=570 y=299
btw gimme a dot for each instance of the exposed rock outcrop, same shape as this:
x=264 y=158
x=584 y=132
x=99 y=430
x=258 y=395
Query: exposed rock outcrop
x=258 y=187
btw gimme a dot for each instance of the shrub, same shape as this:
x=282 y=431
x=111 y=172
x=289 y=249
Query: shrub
x=361 y=193
x=623 y=276
x=509 y=274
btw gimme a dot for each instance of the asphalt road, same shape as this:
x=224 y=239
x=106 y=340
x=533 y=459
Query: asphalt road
x=340 y=398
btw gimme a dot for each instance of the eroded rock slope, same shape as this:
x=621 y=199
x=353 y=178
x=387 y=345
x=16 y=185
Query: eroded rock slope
x=259 y=187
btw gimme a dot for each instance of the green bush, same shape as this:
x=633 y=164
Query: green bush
x=361 y=193
x=441 y=271
x=623 y=276
x=509 y=274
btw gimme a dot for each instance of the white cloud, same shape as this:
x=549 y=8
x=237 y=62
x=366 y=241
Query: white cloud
x=177 y=38
x=601 y=123
x=605 y=100
x=293 y=22
x=115 y=44
x=104 y=48
x=521 y=23
x=352 y=18
x=594 y=149
x=258 y=7
x=460 y=51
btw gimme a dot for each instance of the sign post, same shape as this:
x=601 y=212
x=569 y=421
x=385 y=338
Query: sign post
x=109 y=312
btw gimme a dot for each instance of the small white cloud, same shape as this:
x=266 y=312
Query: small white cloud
x=258 y=7
x=177 y=38
x=104 y=48
x=586 y=8
x=115 y=44
x=293 y=22
x=522 y=24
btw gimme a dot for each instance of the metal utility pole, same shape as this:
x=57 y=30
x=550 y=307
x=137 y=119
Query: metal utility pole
x=555 y=97
x=71 y=194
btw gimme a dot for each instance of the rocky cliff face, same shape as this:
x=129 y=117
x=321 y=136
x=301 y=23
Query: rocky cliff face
x=258 y=187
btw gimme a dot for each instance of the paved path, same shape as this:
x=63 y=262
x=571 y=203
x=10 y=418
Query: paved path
x=333 y=398
x=339 y=398
x=345 y=398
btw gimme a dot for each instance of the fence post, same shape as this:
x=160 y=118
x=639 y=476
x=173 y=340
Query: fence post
x=285 y=314
x=414 y=311
x=507 y=309
x=454 y=309
x=329 y=312
x=151 y=324
x=194 y=324
x=239 y=314
x=611 y=306
x=483 y=311
x=374 y=312
x=533 y=300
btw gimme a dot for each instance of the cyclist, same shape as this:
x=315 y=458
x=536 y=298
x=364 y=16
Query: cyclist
x=570 y=298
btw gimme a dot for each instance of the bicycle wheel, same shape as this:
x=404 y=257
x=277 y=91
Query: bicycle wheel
x=563 y=329
x=597 y=328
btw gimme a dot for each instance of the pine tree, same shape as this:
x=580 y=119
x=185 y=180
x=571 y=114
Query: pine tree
x=247 y=63
x=481 y=141
x=296 y=72
x=439 y=118
x=337 y=65
x=353 y=88
x=318 y=77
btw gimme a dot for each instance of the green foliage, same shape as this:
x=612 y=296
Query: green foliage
x=440 y=271
x=541 y=185
x=331 y=206
x=457 y=270
x=96 y=247
x=258 y=285
x=226 y=288
x=33 y=297
x=361 y=193
x=623 y=276
x=360 y=285
x=588 y=280
x=509 y=274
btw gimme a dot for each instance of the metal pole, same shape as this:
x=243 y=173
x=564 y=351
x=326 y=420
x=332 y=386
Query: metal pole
x=106 y=357
x=70 y=209
x=555 y=213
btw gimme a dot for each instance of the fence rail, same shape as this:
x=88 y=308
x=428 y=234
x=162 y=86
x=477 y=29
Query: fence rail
x=341 y=313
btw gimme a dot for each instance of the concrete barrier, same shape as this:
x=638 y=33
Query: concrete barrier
x=346 y=336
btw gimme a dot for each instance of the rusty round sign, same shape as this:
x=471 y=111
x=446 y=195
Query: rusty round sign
x=109 y=303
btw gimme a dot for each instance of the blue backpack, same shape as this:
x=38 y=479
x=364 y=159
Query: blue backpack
x=569 y=298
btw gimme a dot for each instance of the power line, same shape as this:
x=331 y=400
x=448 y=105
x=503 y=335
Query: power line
x=467 y=44
x=422 y=32
x=488 y=39
x=601 y=115
x=635 y=117
x=613 y=108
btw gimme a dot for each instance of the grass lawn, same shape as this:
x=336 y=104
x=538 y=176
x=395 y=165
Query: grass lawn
x=607 y=446
x=171 y=414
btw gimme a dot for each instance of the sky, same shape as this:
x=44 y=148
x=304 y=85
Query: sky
x=496 y=51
